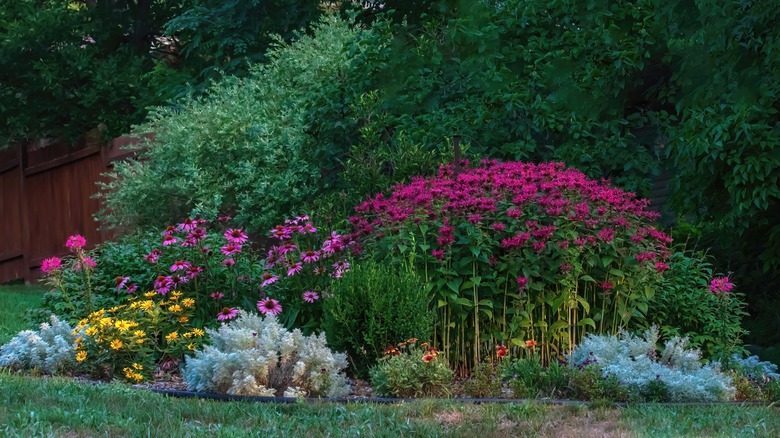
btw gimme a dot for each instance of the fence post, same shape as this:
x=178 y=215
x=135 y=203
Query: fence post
x=23 y=208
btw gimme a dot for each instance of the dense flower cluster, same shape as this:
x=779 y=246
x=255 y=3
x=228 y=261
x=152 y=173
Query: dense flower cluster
x=133 y=337
x=591 y=246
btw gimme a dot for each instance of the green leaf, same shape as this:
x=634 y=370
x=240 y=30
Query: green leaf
x=587 y=321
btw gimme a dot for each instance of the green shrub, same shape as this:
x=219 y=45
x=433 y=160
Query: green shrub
x=484 y=382
x=655 y=391
x=371 y=307
x=412 y=371
x=684 y=305
x=528 y=378
x=243 y=148
x=589 y=383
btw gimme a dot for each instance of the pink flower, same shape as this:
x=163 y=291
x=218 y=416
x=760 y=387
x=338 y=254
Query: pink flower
x=268 y=279
x=236 y=236
x=86 y=263
x=310 y=296
x=309 y=228
x=607 y=234
x=217 y=295
x=721 y=285
x=228 y=263
x=132 y=288
x=230 y=249
x=121 y=282
x=607 y=286
x=51 y=265
x=163 y=285
x=76 y=242
x=295 y=268
x=153 y=256
x=498 y=226
x=169 y=239
x=269 y=305
x=522 y=282
x=438 y=253
x=188 y=224
x=194 y=271
x=224 y=218
x=197 y=234
x=180 y=264
x=227 y=314
x=660 y=267
x=310 y=256
x=475 y=218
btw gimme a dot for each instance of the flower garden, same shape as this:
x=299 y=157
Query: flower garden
x=499 y=280
x=501 y=216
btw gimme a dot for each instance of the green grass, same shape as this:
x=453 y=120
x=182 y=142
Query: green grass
x=35 y=406
x=14 y=302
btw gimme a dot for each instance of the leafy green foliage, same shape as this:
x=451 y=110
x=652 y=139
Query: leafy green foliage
x=240 y=148
x=412 y=371
x=372 y=306
x=684 y=305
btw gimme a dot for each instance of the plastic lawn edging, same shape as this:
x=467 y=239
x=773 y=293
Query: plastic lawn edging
x=389 y=400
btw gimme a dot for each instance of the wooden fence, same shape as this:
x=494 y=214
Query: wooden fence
x=45 y=196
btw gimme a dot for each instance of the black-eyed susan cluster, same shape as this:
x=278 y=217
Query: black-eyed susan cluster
x=133 y=337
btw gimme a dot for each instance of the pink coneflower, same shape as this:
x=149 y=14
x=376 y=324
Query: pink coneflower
x=132 y=288
x=230 y=249
x=309 y=228
x=217 y=295
x=660 y=267
x=188 y=224
x=162 y=285
x=295 y=268
x=228 y=263
x=227 y=314
x=310 y=296
x=310 y=256
x=169 y=239
x=180 y=264
x=176 y=280
x=268 y=279
x=121 y=282
x=194 y=271
x=76 y=242
x=281 y=232
x=153 y=256
x=721 y=285
x=319 y=270
x=236 y=236
x=197 y=234
x=51 y=265
x=269 y=306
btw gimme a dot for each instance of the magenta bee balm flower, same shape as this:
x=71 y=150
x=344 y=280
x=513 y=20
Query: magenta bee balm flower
x=50 y=265
x=76 y=242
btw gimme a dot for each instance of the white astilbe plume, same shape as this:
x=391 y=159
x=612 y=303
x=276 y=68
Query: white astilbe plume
x=255 y=355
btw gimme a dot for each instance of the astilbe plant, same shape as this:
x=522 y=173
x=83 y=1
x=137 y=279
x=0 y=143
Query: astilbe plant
x=635 y=361
x=255 y=355
x=515 y=251
x=50 y=350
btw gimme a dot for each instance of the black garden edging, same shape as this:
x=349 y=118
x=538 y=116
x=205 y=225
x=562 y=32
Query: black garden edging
x=383 y=400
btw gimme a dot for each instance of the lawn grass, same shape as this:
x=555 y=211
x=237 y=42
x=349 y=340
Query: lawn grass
x=14 y=302
x=38 y=406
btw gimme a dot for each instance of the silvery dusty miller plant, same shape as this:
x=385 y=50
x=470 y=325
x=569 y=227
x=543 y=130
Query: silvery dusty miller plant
x=635 y=361
x=256 y=356
x=50 y=349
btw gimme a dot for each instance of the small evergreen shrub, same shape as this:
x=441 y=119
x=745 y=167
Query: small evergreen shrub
x=52 y=349
x=635 y=361
x=685 y=304
x=371 y=308
x=254 y=355
x=412 y=370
